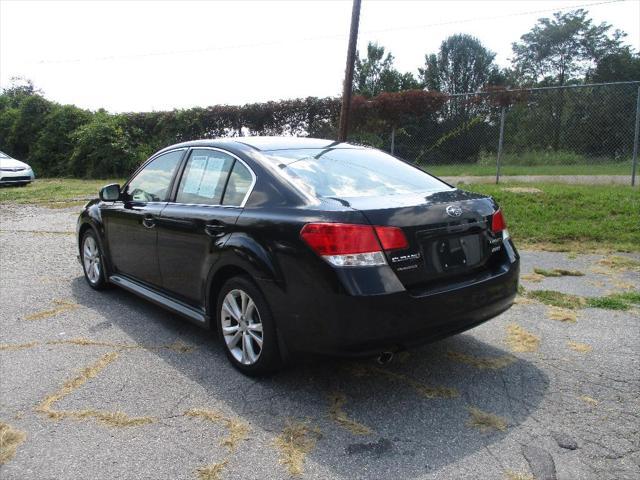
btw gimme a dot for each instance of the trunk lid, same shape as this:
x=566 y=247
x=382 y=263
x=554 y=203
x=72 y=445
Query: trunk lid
x=449 y=233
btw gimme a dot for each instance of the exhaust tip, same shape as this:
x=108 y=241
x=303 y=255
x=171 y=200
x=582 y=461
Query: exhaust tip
x=384 y=358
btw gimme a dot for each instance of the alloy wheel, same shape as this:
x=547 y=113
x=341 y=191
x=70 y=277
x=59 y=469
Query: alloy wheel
x=242 y=327
x=91 y=259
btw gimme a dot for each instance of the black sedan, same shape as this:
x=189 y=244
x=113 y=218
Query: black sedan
x=297 y=245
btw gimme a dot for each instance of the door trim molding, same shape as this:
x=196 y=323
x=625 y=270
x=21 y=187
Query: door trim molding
x=192 y=314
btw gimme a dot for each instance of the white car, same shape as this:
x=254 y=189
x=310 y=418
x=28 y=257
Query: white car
x=14 y=172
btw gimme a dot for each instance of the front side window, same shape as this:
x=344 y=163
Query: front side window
x=204 y=177
x=152 y=183
x=352 y=172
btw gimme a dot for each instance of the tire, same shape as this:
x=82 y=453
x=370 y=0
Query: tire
x=92 y=261
x=240 y=331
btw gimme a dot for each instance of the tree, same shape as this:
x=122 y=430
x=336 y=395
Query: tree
x=375 y=74
x=563 y=49
x=461 y=65
x=616 y=67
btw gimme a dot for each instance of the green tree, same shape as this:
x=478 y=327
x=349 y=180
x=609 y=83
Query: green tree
x=461 y=65
x=103 y=148
x=563 y=49
x=375 y=74
x=616 y=67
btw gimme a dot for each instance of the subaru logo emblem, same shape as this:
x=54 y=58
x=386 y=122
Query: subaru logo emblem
x=454 y=211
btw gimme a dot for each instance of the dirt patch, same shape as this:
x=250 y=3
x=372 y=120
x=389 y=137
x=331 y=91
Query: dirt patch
x=519 y=340
x=483 y=363
x=562 y=314
x=579 y=347
x=485 y=421
x=337 y=401
x=61 y=307
x=295 y=442
x=10 y=440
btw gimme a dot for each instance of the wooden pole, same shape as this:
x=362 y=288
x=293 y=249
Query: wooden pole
x=348 y=74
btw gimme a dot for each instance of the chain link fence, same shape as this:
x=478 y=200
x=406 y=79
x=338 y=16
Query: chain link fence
x=572 y=131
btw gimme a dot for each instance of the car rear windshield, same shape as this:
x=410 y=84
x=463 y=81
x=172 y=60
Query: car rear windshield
x=352 y=172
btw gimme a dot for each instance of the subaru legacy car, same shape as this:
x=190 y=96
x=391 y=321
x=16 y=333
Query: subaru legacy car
x=14 y=172
x=291 y=245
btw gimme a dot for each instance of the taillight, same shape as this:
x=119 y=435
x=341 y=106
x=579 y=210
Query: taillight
x=349 y=245
x=498 y=225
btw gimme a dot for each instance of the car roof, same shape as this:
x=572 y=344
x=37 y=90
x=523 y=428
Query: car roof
x=266 y=144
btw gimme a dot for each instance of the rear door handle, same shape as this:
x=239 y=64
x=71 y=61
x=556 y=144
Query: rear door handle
x=148 y=222
x=215 y=229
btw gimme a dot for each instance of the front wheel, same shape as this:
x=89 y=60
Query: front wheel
x=246 y=328
x=92 y=262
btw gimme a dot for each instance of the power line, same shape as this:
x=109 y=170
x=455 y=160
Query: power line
x=316 y=38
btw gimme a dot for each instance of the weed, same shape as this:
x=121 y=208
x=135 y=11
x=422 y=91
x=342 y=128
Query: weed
x=562 y=314
x=295 y=442
x=591 y=401
x=558 y=272
x=61 y=307
x=10 y=440
x=483 y=363
x=485 y=421
x=237 y=430
x=608 y=303
x=579 y=347
x=615 y=262
x=338 y=415
x=511 y=475
x=211 y=472
x=17 y=346
x=519 y=340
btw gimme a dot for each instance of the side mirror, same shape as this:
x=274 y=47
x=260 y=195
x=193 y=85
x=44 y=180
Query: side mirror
x=109 y=193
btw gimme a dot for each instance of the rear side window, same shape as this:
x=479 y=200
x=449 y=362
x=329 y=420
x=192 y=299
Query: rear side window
x=152 y=183
x=353 y=172
x=204 y=177
x=238 y=186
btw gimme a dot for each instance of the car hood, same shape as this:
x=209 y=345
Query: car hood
x=12 y=162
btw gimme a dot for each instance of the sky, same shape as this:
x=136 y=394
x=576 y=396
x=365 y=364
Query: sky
x=161 y=55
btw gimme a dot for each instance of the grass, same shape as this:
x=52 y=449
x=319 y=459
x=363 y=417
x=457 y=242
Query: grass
x=557 y=299
x=490 y=170
x=562 y=315
x=52 y=191
x=579 y=347
x=571 y=217
x=616 y=301
x=556 y=217
x=237 y=430
x=62 y=306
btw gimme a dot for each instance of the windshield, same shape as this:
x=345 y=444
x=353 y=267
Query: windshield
x=352 y=172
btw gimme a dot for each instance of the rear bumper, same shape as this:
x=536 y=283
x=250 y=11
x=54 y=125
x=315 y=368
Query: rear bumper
x=349 y=325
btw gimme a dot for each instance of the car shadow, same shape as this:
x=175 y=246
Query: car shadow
x=417 y=408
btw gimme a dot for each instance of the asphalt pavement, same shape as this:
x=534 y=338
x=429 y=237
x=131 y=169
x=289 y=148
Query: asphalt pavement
x=103 y=385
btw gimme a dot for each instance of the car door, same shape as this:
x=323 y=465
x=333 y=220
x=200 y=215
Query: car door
x=192 y=230
x=130 y=223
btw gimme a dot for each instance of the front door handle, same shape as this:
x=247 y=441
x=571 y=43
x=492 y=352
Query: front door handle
x=215 y=229
x=148 y=222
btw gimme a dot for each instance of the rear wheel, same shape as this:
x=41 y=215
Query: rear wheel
x=246 y=327
x=92 y=262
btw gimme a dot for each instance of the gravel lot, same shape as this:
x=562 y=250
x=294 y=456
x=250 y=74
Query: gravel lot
x=472 y=406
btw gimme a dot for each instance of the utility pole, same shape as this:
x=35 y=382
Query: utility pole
x=348 y=73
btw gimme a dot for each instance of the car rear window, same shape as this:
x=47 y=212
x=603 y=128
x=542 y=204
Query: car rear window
x=352 y=172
